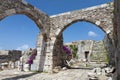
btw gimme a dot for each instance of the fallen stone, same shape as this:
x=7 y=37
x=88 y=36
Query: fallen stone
x=56 y=69
x=64 y=68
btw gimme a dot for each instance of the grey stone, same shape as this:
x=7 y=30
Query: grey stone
x=34 y=67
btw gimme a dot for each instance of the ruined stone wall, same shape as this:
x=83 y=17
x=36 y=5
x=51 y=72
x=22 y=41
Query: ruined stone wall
x=15 y=54
x=96 y=49
x=99 y=52
x=84 y=46
x=26 y=54
x=4 y=52
x=117 y=38
x=9 y=55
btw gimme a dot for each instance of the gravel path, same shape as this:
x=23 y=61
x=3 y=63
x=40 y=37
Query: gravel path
x=70 y=74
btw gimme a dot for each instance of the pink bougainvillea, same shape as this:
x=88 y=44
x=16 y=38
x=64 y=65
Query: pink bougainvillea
x=67 y=50
x=32 y=57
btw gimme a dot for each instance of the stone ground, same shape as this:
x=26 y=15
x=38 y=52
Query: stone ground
x=70 y=74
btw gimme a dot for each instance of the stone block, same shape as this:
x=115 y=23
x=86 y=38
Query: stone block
x=11 y=11
x=24 y=2
x=34 y=67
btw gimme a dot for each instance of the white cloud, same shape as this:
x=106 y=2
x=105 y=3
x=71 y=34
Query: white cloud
x=92 y=34
x=23 y=47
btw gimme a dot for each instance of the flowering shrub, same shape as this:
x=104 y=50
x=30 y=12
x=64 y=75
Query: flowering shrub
x=67 y=50
x=74 y=50
x=32 y=56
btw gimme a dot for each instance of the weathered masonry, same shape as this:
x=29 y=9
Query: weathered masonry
x=117 y=38
x=90 y=50
x=50 y=42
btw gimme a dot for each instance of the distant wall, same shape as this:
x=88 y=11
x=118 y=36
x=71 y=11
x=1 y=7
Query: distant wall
x=96 y=50
x=9 y=55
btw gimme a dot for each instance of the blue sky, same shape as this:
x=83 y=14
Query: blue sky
x=20 y=32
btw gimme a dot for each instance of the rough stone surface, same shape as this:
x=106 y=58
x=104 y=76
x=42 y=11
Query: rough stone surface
x=99 y=52
x=110 y=46
x=117 y=38
x=96 y=50
x=26 y=55
x=39 y=59
x=98 y=15
x=9 y=57
x=84 y=46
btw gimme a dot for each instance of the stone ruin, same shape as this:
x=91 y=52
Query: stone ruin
x=96 y=50
x=9 y=58
x=49 y=52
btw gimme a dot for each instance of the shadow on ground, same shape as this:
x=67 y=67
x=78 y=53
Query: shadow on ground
x=20 y=76
x=69 y=67
x=82 y=68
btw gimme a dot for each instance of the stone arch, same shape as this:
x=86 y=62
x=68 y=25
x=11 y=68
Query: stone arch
x=84 y=52
x=13 y=12
x=94 y=23
x=11 y=7
x=100 y=16
x=58 y=45
x=40 y=46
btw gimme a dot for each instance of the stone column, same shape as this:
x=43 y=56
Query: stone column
x=43 y=60
x=58 y=52
x=39 y=61
x=48 y=57
x=109 y=44
x=117 y=37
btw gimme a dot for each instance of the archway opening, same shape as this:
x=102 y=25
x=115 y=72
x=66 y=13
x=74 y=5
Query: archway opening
x=85 y=40
x=83 y=46
x=19 y=39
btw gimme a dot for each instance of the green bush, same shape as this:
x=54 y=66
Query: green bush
x=74 y=50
